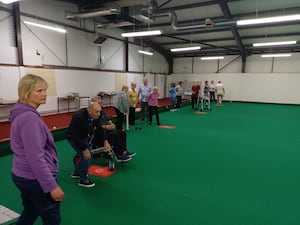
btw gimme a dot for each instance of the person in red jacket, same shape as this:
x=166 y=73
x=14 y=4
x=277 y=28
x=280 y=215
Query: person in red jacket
x=195 y=94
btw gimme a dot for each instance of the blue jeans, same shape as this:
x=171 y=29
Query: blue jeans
x=173 y=103
x=36 y=203
x=81 y=168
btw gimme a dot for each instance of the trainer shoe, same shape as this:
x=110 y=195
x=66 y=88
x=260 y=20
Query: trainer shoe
x=130 y=154
x=74 y=176
x=86 y=183
x=123 y=158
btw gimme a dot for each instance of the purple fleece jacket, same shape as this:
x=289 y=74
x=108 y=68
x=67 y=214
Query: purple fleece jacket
x=35 y=155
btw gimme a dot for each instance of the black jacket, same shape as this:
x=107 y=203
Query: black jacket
x=82 y=127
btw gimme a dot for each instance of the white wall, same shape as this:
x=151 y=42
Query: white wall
x=86 y=83
x=63 y=82
x=145 y=63
x=8 y=50
x=9 y=78
x=112 y=55
x=51 y=10
x=265 y=79
x=283 y=88
x=233 y=64
x=75 y=48
x=50 y=46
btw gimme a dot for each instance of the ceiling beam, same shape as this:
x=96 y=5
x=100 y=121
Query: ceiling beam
x=17 y=28
x=227 y=15
x=195 y=5
x=220 y=18
x=232 y=39
x=206 y=44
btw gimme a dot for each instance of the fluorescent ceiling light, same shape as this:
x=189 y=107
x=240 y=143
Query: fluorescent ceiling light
x=94 y=13
x=142 y=33
x=192 y=48
x=145 y=52
x=8 y=1
x=275 y=55
x=274 y=43
x=212 y=57
x=120 y=24
x=46 y=27
x=275 y=19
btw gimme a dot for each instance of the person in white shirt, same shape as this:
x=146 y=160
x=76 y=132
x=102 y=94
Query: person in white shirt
x=220 y=92
x=179 y=94
x=212 y=88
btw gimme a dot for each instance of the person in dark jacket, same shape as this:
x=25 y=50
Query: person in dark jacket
x=117 y=138
x=83 y=125
x=35 y=159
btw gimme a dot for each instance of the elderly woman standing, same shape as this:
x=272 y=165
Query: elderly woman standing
x=121 y=105
x=35 y=159
x=133 y=98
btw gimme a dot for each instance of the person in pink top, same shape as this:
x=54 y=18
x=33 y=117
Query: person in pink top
x=153 y=105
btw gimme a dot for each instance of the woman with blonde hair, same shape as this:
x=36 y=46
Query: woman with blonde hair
x=35 y=158
x=133 y=99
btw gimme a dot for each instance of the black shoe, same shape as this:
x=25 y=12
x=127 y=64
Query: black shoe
x=74 y=176
x=130 y=154
x=123 y=158
x=86 y=183
x=158 y=123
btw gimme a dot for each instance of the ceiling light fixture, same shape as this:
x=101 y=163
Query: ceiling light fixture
x=105 y=12
x=143 y=18
x=212 y=57
x=275 y=19
x=46 y=27
x=275 y=55
x=142 y=33
x=8 y=1
x=274 y=43
x=192 y=48
x=120 y=24
x=145 y=52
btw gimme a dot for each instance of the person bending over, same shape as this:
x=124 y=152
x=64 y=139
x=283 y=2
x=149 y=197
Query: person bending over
x=117 y=138
x=83 y=125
